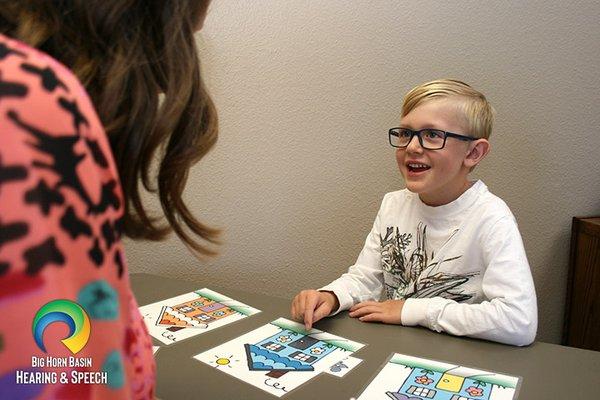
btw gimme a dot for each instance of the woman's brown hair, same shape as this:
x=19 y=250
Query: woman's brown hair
x=126 y=53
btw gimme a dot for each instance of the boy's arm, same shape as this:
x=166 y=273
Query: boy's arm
x=510 y=313
x=364 y=280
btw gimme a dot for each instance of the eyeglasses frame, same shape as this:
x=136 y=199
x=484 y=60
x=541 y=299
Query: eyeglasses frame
x=418 y=135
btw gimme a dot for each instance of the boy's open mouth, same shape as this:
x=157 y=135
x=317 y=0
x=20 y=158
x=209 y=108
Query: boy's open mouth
x=417 y=167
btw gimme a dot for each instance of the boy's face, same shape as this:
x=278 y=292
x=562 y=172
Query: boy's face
x=438 y=176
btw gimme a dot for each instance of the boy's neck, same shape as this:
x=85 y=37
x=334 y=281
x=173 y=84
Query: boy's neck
x=447 y=196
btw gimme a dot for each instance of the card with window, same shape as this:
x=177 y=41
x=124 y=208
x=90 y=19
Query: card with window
x=405 y=377
x=191 y=314
x=282 y=355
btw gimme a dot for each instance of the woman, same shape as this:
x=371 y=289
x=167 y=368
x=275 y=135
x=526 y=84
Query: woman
x=70 y=174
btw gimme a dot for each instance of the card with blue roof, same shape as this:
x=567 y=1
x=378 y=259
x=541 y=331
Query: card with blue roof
x=280 y=356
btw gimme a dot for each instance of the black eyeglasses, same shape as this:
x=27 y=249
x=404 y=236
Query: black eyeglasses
x=430 y=139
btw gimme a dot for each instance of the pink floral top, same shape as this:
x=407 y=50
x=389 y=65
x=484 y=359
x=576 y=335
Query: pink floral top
x=61 y=210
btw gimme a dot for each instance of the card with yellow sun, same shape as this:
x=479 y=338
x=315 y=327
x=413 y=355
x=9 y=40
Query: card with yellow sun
x=282 y=355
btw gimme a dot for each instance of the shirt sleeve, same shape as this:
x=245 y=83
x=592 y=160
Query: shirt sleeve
x=509 y=313
x=364 y=279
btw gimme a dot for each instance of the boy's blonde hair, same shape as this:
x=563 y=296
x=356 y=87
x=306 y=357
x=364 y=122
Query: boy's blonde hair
x=478 y=113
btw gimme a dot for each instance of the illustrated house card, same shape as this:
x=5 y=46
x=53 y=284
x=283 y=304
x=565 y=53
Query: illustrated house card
x=280 y=356
x=406 y=378
x=191 y=314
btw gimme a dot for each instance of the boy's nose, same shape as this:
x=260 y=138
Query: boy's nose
x=414 y=145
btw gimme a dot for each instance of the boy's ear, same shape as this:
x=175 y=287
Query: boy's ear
x=478 y=150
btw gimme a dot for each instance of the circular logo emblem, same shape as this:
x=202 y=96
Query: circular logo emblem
x=68 y=312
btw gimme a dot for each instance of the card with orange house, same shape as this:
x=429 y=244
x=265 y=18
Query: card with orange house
x=181 y=317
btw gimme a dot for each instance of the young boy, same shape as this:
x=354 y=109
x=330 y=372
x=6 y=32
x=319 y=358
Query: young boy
x=444 y=253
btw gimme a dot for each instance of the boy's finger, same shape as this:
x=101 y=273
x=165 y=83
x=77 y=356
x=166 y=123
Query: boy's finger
x=364 y=311
x=308 y=320
x=294 y=310
x=301 y=305
x=298 y=307
x=320 y=312
x=373 y=317
x=309 y=309
x=293 y=305
x=363 y=304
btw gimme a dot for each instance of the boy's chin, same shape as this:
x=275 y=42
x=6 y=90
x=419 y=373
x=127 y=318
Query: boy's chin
x=421 y=190
x=414 y=187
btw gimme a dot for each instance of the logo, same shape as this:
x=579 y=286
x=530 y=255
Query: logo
x=71 y=314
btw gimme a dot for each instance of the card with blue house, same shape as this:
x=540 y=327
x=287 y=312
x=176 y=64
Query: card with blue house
x=181 y=317
x=405 y=377
x=282 y=355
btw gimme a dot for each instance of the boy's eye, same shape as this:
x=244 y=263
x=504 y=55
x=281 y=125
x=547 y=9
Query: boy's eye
x=432 y=135
x=404 y=133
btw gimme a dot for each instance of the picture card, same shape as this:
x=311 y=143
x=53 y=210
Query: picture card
x=280 y=356
x=191 y=314
x=405 y=377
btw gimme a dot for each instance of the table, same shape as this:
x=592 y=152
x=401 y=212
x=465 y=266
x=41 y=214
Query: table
x=549 y=371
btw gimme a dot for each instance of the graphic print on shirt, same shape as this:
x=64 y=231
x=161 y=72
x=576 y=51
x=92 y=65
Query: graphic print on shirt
x=410 y=272
x=57 y=153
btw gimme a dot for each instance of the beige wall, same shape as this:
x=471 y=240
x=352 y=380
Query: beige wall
x=306 y=91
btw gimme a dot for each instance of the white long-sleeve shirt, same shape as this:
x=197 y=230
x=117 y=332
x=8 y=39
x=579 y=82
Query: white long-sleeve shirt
x=461 y=267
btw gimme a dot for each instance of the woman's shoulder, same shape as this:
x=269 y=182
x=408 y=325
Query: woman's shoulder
x=37 y=86
x=43 y=102
x=30 y=66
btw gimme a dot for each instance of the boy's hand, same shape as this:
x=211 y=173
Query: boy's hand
x=309 y=306
x=388 y=311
